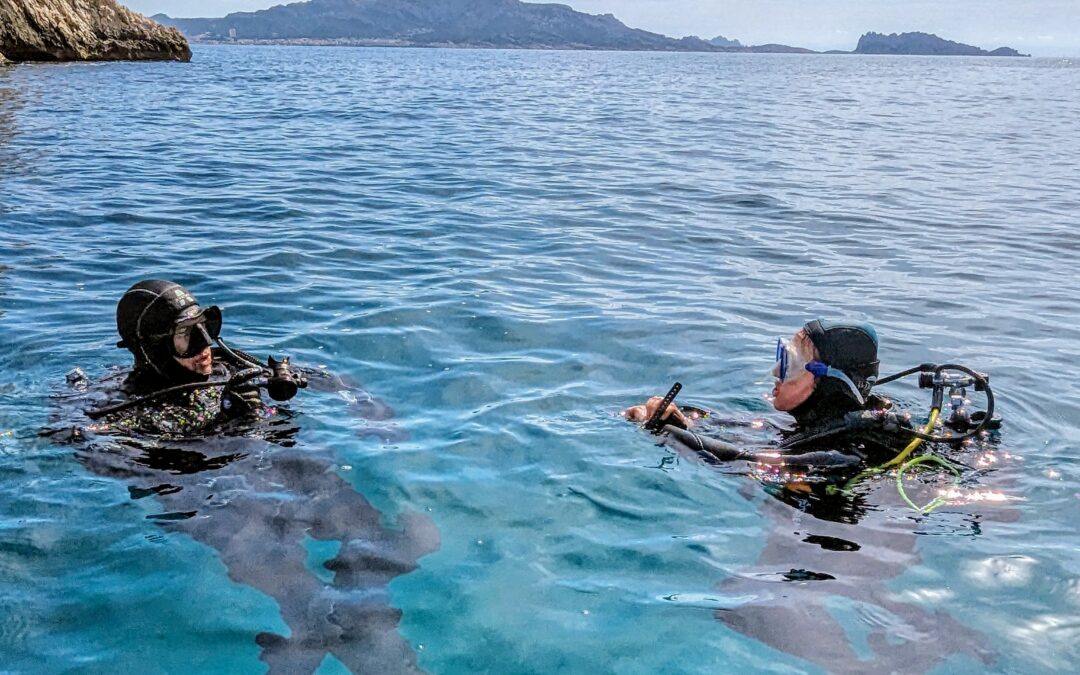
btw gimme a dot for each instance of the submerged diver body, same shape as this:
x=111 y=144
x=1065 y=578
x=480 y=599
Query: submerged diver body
x=188 y=425
x=831 y=552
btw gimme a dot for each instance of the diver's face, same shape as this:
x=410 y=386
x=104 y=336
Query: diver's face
x=191 y=346
x=202 y=363
x=793 y=392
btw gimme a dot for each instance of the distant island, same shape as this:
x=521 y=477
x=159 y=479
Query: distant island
x=76 y=30
x=923 y=44
x=450 y=23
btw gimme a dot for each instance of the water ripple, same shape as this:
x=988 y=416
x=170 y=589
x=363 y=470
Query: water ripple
x=507 y=247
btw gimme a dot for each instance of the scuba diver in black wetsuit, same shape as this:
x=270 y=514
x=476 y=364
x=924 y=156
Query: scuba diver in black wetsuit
x=188 y=427
x=181 y=384
x=832 y=542
x=824 y=377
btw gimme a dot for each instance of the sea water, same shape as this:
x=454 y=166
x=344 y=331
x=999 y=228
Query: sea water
x=508 y=247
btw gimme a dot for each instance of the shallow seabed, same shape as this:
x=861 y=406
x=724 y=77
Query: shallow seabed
x=507 y=247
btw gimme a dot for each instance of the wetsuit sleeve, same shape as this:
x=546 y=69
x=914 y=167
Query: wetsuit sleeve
x=818 y=459
x=684 y=440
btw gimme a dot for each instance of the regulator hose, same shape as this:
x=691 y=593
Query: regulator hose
x=903 y=455
x=981 y=384
x=925 y=459
x=239 y=378
x=902 y=458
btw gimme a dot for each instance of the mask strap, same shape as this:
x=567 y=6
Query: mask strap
x=819 y=369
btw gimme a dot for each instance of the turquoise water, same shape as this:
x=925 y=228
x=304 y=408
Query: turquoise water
x=507 y=248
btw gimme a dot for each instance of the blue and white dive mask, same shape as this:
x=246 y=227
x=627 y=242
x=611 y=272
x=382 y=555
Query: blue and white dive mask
x=790 y=362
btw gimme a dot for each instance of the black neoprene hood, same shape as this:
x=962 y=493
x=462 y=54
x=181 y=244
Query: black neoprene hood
x=147 y=315
x=850 y=347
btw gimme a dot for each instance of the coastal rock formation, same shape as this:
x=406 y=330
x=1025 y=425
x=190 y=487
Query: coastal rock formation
x=84 y=30
x=923 y=44
x=773 y=48
x=721 y=41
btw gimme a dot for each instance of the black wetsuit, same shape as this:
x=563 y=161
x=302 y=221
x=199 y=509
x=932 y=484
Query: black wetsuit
x=184 y=413
x=827 y=439
x=230 y=472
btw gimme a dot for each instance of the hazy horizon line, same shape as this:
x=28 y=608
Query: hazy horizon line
x=841 y=39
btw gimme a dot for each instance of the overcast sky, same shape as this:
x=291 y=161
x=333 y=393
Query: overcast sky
x=1042 y=27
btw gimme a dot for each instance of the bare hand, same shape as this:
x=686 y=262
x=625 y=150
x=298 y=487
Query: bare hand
x=643 y=413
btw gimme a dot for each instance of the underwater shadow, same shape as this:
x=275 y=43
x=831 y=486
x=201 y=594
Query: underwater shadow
x=820 y=589
x=255 y=496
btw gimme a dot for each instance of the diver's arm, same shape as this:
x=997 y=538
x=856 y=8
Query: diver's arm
x=245 y=399
x=360 y=403
x=687 y=441
x=817 y=460
x=689 y=416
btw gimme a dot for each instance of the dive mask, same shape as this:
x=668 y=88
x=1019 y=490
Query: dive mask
x=789 y=362
x=195 y=330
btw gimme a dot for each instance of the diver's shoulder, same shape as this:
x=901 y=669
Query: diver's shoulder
x=877 y=427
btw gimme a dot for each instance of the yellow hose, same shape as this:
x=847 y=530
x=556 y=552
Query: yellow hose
x=904 y=454
x=916 y=442
x=925 y=459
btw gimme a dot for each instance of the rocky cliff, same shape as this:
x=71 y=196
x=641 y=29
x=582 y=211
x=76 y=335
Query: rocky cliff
x=924 y=44
x=84 y=30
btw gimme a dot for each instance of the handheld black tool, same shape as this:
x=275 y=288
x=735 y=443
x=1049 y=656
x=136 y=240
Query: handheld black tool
x=654 y=422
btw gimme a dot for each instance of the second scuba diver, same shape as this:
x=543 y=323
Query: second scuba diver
x=824 y=377
x=831 y=549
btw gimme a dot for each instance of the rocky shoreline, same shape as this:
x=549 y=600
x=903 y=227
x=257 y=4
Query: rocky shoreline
x=84 y=30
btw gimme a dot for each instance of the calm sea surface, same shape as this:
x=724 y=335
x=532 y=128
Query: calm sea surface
x=507 y=248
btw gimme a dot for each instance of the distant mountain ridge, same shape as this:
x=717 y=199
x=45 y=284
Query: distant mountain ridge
x=510 y=24
x=923 y=44
x=465 y=23
x=493 y=23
